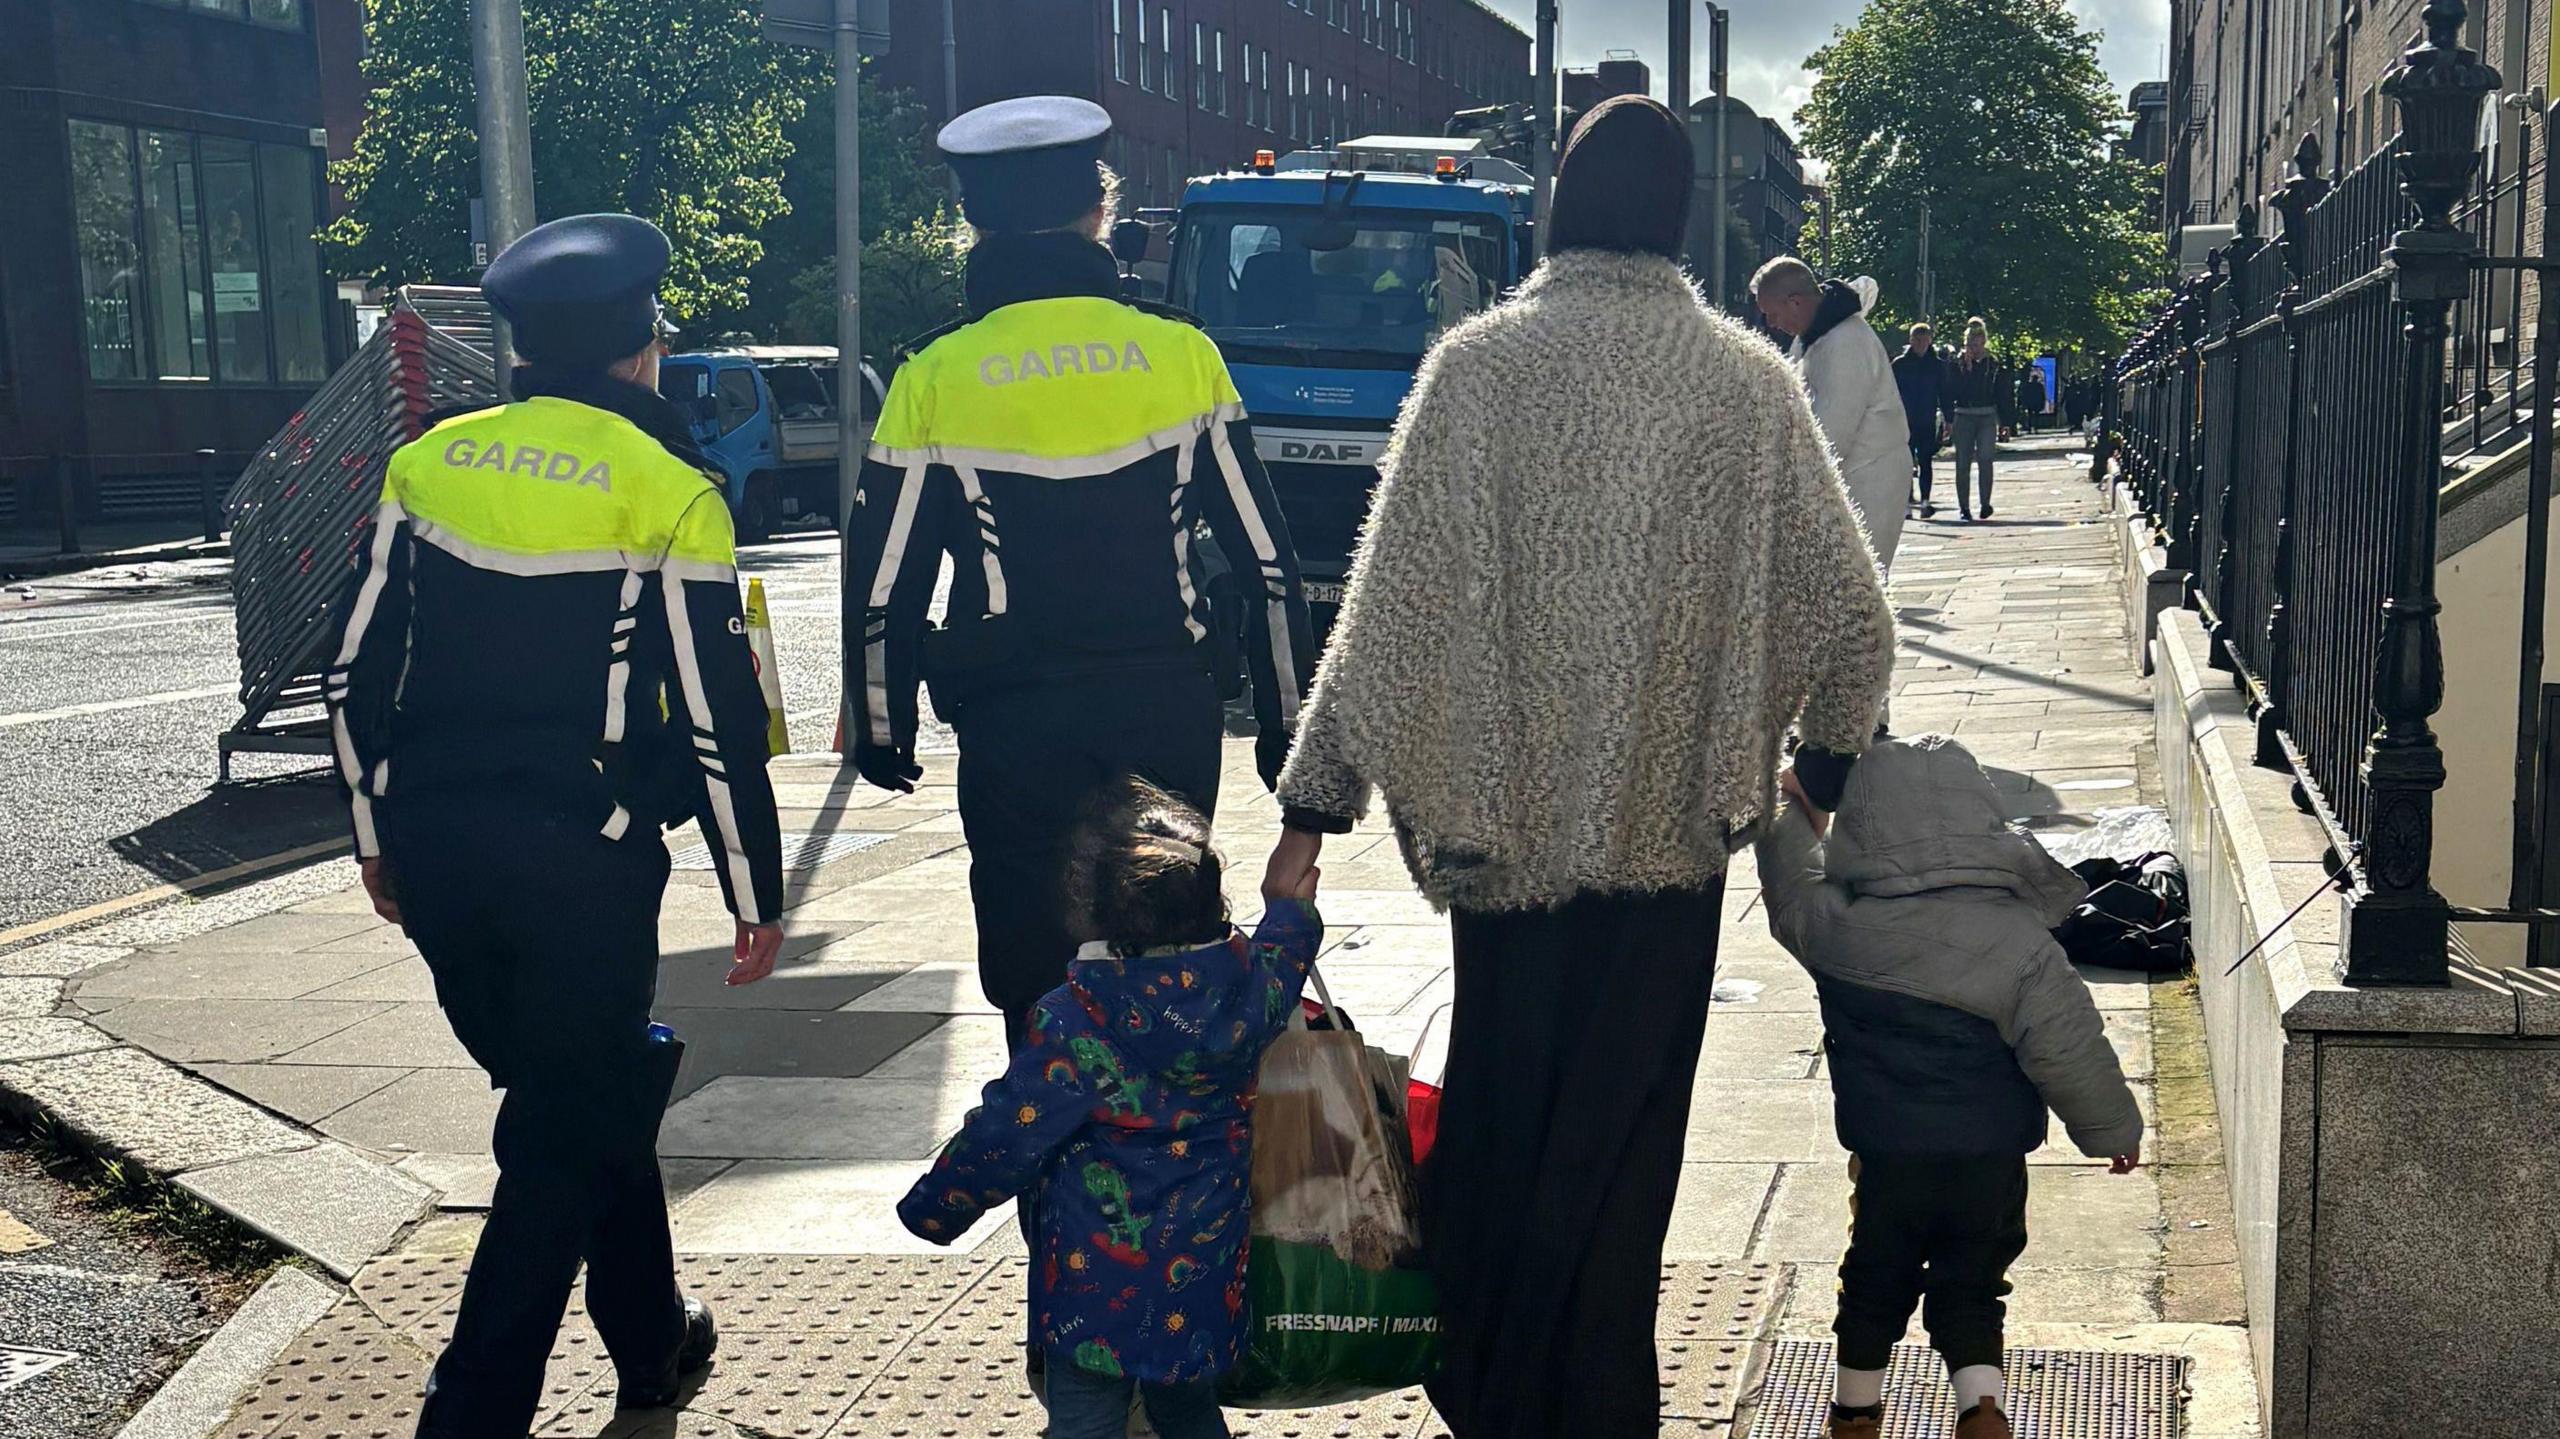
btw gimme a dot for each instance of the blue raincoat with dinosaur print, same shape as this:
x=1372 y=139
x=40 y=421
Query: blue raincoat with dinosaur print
x=1128 y=1119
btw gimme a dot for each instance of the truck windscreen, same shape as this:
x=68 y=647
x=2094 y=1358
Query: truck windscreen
x=1283 y=285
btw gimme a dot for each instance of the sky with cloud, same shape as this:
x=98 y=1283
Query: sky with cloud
x=1771 y=38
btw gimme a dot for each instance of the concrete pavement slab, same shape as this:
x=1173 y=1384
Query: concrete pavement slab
x=787 y=1042
x=230 y=1031
x=29 y=996
x=403 y=981
x=937 y=988
x=46 y=1038
x=828 y=978
x=280 y=933
x=961 y=1045
x=1717 y=1208
x=410 y=1036
x=307 y=1092
x=897 y=944
x=2077 y=1218
x=60 y=959
x=130 y=1102
x=754 y=1117
x=1745 y=1042
x=328 y=1202
x=185 y=972
x=814 y=1207
x=432 y=1110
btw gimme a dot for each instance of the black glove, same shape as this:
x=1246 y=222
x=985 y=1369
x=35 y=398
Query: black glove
x=1270 y=756
x=1824 y=774
x=889 y=769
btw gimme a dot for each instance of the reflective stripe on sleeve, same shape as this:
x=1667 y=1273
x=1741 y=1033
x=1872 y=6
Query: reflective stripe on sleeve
x=724 y=812
x=1266 y=556
x=884 y=583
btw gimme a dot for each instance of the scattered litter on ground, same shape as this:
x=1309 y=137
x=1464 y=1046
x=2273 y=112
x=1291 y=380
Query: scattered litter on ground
x=1738 y=991
x=2120 y=832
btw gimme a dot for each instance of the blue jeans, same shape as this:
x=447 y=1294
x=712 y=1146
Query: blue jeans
x=1083 y=1405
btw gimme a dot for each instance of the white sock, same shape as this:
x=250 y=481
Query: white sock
x=1977 y=1382
x=1858 y=1388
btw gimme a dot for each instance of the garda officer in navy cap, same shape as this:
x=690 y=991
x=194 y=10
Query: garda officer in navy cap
x=543 y=666
x=1061 y=445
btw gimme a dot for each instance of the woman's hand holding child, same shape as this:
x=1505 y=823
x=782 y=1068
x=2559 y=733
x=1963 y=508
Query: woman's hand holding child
x=1814 y=815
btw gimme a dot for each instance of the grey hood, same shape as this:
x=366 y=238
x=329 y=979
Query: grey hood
x=1920 y=815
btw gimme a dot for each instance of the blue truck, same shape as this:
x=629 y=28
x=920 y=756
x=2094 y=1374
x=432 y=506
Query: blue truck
x=1324 y=277
x=766 y=415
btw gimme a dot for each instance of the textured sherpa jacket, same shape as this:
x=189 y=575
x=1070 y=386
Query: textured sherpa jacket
x=1950 y=1018
x=1609 y=561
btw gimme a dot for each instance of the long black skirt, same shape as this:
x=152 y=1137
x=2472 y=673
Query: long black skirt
x=1573 y=1044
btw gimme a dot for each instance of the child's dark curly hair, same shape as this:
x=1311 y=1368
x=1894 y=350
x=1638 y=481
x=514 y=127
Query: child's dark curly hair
x=1142 y=875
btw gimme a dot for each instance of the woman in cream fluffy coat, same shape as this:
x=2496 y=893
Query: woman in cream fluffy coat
x=1609 y=563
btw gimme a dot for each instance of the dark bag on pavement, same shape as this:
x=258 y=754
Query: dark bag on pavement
x=2134 y=918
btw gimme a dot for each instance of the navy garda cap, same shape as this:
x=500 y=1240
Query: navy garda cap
x=1027 y=164
x=580 y=292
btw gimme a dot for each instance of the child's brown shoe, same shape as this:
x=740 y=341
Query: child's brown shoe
x=1853 y=1426
x=1985 y=1422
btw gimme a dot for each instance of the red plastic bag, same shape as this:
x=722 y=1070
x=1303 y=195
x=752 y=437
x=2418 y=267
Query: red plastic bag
x=1428 y=1065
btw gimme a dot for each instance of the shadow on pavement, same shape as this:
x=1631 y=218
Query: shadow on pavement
x=234 y=823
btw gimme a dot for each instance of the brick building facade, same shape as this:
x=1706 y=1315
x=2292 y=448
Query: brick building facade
x=1199 y=85
x=2249 y=78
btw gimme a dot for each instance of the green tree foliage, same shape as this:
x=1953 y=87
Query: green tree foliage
x=911 y=258
x=1994 y=113
x=677 y=110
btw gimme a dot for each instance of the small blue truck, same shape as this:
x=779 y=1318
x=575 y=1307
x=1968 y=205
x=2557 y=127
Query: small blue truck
x=766 y=415
x=1324 y=277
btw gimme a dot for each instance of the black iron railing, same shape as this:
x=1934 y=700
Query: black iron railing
x=2281 y=424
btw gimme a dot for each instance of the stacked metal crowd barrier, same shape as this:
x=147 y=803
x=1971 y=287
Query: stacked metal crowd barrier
x=301 y=510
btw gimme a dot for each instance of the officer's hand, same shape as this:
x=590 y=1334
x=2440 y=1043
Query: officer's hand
x=893 y=770
x=378 y=887
x=759 y=945
x=1270 y=756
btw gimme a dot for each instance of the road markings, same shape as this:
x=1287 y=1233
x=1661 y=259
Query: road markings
x=69 y=627
x=100 y=707
x=210 y=879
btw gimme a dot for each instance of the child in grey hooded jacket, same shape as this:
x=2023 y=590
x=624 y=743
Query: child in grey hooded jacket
x=1952 y=1021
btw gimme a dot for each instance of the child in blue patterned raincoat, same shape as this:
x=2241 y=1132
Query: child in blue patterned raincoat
x=1126 y=1118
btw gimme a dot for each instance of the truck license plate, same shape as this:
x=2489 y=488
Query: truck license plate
x=1323 y=592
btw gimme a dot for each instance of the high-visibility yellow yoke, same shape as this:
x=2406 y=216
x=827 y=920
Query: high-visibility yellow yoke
x=606 y=491
x=1065 y=386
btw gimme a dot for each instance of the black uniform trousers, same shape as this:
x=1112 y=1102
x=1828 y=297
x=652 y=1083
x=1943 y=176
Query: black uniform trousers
x=1032 y=756
x=543 y=938
x=1924 y=459
x=1573 y=1047
x=1936 y=1232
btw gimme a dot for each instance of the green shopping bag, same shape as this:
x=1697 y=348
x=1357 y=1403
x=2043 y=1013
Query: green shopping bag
x=1341 y=1308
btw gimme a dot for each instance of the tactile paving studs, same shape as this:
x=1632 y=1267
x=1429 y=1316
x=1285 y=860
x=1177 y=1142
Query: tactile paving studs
x=2053 y=1394
x=348 y=1375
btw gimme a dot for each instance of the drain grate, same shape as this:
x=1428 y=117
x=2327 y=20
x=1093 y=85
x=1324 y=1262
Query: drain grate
x=18 y=1365
x=800 y=849
x=2053 y=1394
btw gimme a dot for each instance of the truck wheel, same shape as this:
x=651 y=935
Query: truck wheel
x=756 y=513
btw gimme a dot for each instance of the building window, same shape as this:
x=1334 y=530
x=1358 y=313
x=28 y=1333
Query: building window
x=1262 y=87
x=1199 y=65
x=102 y=208
x=1164 y=39
x=284 y=14
x=1119 y=42
x=1412 y=38
x=1218 y=86
x=1146 y=52
x=1297 y=114
x=197 y=257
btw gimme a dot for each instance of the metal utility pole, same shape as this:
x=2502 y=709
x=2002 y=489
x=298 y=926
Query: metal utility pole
x=950 y=65
x=506 y=144
x=1678 y=80
x=1719 y=31
x=1926 y=311
x=1542 y=120
x=851 y=388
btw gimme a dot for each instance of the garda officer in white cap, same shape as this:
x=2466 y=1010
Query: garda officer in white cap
x=1061 y=445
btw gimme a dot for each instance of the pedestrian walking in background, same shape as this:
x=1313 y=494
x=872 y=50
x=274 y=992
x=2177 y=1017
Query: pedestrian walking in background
x=1951 y=1021
x=1849 y=378
x=526 y=562
x=1610 y=560
x=2033 y=401
x=1128 y=1115
x=1059 y=444
x=1978 y=395
x=1928 y=407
